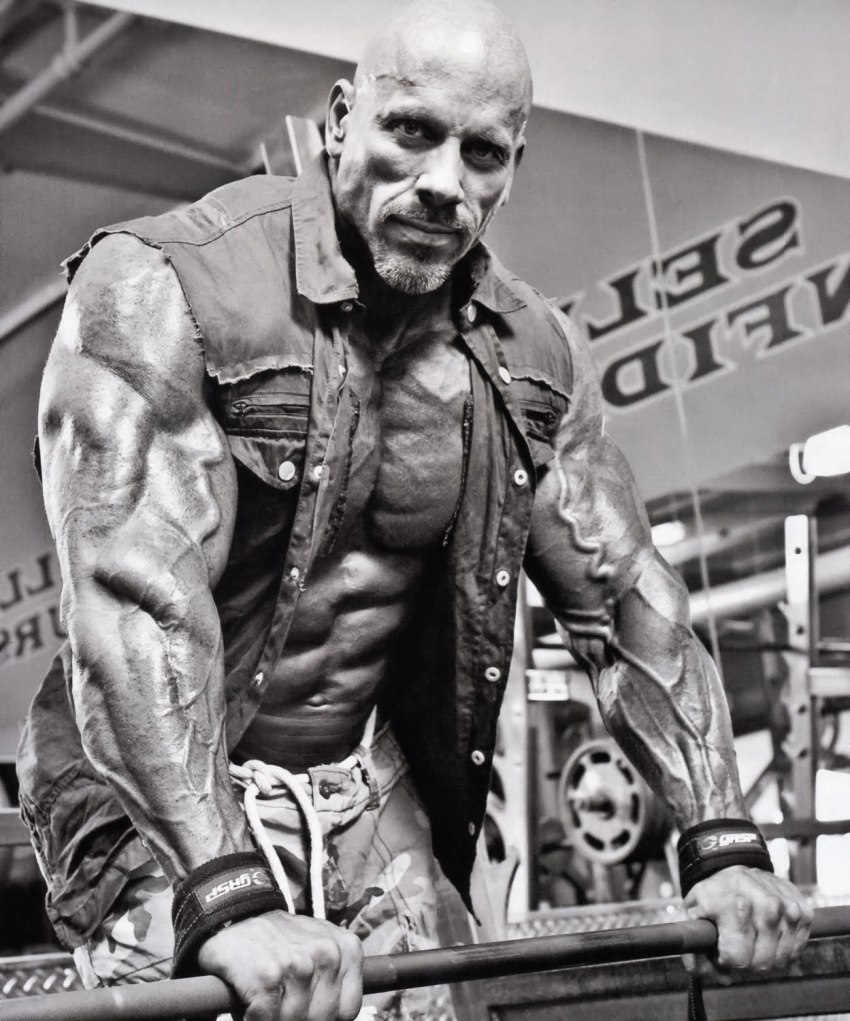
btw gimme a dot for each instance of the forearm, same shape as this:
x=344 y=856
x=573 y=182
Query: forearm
x=661 y=697
x=148 y=683
x=149 y=702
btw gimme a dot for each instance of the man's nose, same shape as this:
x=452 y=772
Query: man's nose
x=439 y=184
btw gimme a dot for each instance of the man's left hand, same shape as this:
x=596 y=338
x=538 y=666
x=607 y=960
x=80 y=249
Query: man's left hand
x=763 y=922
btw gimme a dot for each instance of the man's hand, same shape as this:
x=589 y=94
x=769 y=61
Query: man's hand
x=288 y=967
x=762 y=921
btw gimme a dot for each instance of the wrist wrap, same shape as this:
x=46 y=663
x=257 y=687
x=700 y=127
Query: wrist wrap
x=711 y=846
x=222 y=891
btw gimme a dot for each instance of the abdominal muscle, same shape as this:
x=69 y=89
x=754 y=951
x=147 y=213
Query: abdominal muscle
x=325 y=686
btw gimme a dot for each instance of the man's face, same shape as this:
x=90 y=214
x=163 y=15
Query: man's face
x=424 y=162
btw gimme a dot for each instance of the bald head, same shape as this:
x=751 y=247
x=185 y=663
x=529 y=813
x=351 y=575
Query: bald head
x=472 y=38
x=423 y=145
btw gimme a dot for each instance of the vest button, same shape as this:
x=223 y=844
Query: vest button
x=294 y=573
x=318 y=471
x=520 y=477
x=492 y=674
x=502 y=578
x=471 y=312
x=479 y=758
x=286 y=471
x=346 y=306
x=472 y=829
x=504 y=375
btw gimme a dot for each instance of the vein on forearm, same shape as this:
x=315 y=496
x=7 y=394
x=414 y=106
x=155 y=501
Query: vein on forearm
x=626 y=617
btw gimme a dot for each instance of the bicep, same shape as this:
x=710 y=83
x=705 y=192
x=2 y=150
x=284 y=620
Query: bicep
x=590 y=540
x=589 y=530
x=589 y=537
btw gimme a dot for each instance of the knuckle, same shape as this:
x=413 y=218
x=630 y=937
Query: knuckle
x=772 y=910
x=300 y=967
x=327 y=954
x=352 y=946
x=793 y=912
x=734 y=952
x=267 y=975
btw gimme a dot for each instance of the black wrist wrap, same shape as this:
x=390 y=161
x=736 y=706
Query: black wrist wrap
x=711 y=846
x=223 y=890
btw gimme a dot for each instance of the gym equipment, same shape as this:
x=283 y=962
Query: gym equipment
x=607 y=810
x=197 y=997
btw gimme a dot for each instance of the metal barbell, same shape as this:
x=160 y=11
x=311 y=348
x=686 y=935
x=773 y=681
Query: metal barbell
x=199 y=997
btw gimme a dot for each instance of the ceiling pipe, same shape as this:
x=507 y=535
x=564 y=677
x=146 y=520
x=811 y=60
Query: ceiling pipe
x=832 y=572
x=142 y=138
x=64 y=65
x=717 y=540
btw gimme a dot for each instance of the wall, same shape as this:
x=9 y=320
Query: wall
x=737 y=347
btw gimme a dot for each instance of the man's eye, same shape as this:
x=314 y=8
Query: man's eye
x=484 y=152
x=408 y=128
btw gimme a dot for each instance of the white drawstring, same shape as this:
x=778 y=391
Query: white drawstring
x=261 y=778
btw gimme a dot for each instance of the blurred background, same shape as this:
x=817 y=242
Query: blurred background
x=685 y=196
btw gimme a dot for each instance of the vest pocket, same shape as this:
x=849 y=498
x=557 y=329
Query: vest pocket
x=542 y=411
x=266 y=425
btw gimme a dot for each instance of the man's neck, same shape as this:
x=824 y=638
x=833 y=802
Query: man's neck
x=392 y=319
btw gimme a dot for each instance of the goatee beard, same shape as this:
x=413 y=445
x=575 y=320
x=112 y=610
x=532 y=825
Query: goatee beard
x=411 y=275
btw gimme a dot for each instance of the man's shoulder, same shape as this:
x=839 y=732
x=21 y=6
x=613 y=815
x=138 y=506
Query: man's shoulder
x=126 y=309
x=120 y=273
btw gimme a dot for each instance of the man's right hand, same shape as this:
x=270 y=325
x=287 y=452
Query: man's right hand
x=288 y=967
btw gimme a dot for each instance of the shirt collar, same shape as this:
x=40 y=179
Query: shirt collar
x=491 y=282
x=322 y=273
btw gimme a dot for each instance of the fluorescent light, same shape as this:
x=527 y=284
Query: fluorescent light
x=668 y=533
x=824 y=454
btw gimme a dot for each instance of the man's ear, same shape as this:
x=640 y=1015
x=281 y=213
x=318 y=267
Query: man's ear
x=520 y=150
x=339 y=107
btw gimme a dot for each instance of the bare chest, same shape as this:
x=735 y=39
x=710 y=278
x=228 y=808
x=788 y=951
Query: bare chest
x=412 y=415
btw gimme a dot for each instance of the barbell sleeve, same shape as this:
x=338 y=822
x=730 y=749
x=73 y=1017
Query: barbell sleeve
x=207 y=995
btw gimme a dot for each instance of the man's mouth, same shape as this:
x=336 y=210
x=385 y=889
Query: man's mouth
x=409 y=230
x=428 y=226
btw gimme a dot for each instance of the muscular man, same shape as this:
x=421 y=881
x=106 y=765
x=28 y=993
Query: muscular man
x=297 y=443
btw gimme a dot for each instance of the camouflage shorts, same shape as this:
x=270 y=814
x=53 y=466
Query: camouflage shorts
x=379 y=880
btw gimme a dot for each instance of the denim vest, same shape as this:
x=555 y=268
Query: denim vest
x=271 y=295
